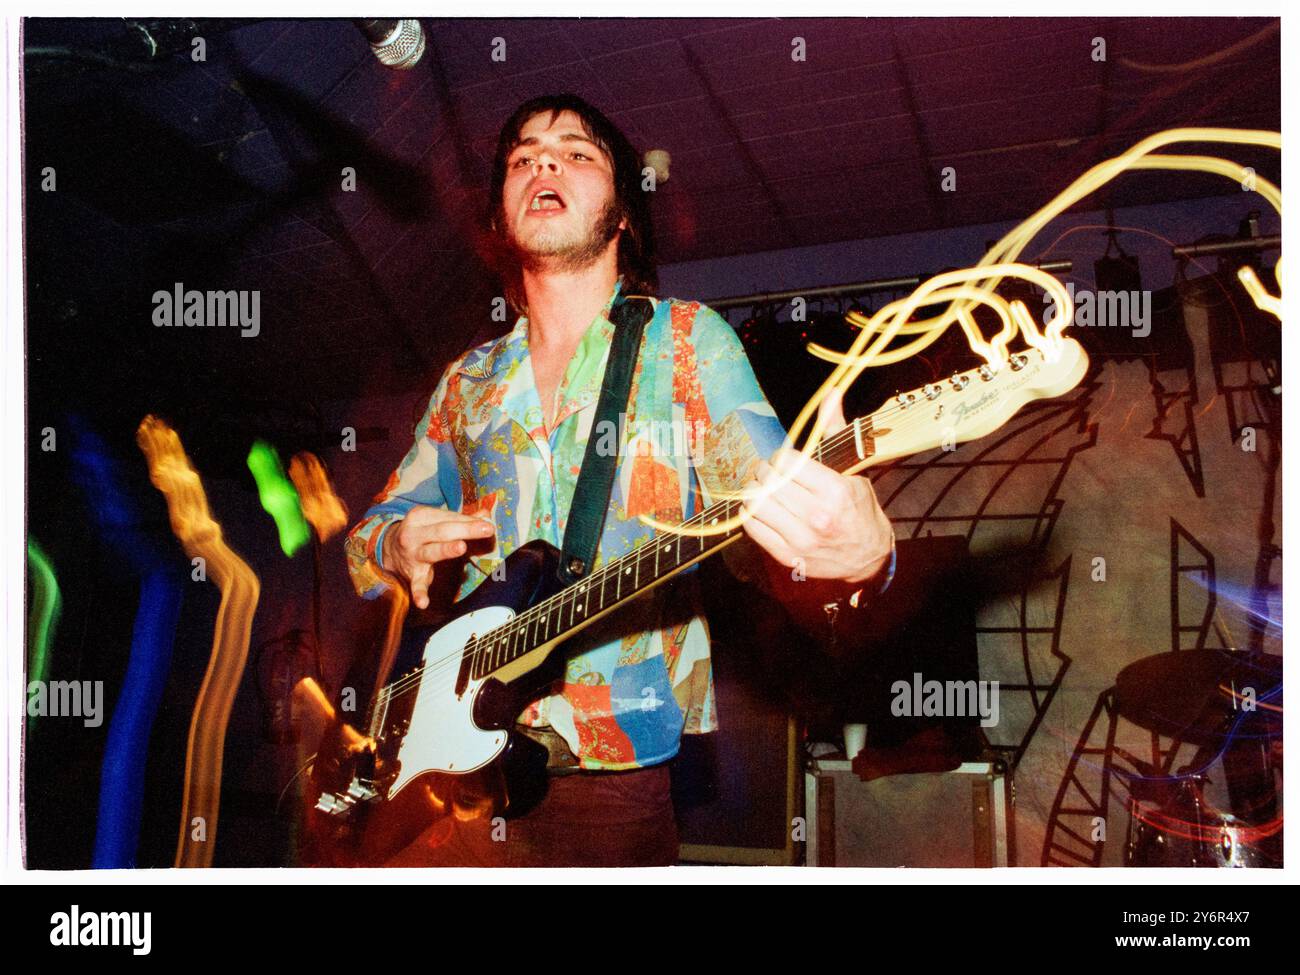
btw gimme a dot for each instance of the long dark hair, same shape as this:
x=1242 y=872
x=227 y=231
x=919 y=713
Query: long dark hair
x=636 y=245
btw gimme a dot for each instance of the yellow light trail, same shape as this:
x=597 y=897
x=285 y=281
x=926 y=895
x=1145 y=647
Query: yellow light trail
x=958 y=290
x=200 y=536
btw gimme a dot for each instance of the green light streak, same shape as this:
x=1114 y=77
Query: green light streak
x=42 y=615
x=278 y=497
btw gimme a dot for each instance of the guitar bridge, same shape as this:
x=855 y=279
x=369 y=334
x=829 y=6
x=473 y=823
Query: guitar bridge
x=342 y=803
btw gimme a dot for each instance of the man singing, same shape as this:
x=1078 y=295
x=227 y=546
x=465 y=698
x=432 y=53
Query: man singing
x=499 y=450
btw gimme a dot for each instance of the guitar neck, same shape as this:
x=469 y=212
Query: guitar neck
x=969 y=405
x=625 y=578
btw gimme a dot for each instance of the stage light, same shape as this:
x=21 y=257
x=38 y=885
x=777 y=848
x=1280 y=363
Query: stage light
x=659 y=160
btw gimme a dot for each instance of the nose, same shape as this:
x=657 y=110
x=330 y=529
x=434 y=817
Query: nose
x=546 y=162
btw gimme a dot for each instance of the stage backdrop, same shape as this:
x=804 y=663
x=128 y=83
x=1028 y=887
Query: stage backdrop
x=1139 y=514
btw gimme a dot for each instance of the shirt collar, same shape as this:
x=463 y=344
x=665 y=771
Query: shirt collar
x=488 y=359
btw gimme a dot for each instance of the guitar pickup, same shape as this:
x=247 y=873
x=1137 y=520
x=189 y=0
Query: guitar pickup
x=362 y=789
x=333 y=804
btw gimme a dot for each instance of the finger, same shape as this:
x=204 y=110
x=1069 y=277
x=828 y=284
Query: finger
x=792 y=494
x=424 y=516
x=771 y=542
x=449 y=531
x=816 y=477
x=440 y=551
x=467 y=528
x=792 y=528
x=831 y=411
x=421 y=578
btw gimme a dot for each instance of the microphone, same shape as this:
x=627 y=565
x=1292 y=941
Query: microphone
x=397 y=43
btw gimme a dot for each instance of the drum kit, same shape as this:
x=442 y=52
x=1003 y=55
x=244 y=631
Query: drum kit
x=1229 y=705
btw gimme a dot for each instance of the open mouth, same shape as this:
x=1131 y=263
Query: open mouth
x=546 y=200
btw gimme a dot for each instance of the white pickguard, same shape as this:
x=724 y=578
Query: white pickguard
x=442 y=736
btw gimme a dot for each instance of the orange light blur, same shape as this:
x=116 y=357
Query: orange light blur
x=200 y=536
x=308 y=690
x=320 y=505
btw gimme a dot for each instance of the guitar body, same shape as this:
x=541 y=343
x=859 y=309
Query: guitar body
x=446 y=745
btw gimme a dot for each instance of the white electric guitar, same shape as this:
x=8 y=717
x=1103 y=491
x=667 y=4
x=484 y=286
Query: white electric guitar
x=452 y=712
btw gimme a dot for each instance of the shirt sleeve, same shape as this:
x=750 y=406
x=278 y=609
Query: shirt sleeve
x=733 y=424
x=736 y=427
x=427 y=475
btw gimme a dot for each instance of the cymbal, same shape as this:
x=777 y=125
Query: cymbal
x=1203 y=696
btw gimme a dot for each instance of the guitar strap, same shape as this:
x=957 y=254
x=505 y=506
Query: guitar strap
x=596 y=477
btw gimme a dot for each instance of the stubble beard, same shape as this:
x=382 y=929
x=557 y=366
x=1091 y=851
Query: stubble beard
x=559 y=255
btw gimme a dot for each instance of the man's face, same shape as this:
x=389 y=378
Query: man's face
x=557 y=203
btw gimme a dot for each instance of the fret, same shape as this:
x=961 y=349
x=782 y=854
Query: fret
x=517 y=639
x=543 y=624
x=529 y=630
x=581 y=607
x=605 y=579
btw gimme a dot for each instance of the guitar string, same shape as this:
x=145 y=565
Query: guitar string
x=519 y=624
x=844 y=441
x=639 y=555
x=841 y=442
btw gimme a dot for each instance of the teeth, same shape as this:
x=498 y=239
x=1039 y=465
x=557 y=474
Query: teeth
x=545 y=194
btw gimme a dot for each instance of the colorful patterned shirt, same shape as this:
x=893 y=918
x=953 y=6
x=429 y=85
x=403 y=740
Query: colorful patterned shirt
x=640 y=677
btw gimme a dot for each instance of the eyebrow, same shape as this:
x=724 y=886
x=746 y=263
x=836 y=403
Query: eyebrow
x=533 y=140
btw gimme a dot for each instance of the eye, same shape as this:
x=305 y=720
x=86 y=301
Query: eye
x=582 y=155
x=522 y=161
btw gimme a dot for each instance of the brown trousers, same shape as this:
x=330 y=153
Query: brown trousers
x=588 y=819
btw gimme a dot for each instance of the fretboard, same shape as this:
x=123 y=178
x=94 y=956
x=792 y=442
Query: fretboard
x=622 y=579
